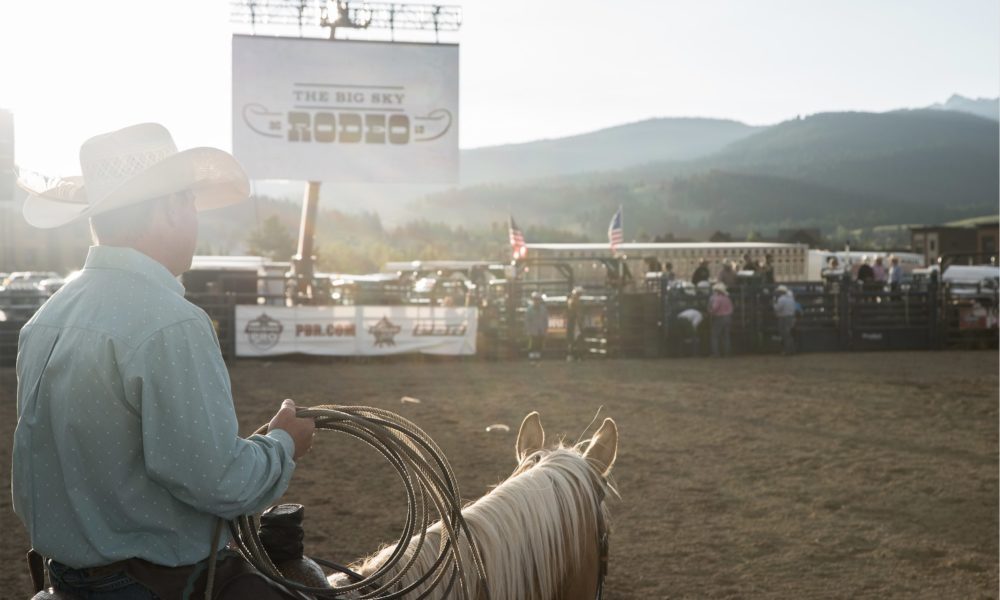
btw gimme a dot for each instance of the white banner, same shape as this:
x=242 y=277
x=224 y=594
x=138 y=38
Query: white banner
x=344 y=111
x=355 y=330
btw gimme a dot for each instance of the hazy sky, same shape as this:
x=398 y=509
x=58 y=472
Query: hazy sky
x=530 y=69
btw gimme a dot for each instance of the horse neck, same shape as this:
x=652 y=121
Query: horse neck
x=537 y=533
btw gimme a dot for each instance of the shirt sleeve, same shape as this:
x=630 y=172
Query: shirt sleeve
x=190 y=434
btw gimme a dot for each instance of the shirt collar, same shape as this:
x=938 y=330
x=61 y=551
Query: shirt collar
x=133 y=261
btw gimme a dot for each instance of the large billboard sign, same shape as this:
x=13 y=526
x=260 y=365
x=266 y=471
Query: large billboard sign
x=345 y=111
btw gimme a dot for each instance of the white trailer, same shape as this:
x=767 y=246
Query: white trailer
x=789 y=259
x=818 y=260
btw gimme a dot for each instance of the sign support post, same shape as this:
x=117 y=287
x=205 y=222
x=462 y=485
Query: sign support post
x=303 y=263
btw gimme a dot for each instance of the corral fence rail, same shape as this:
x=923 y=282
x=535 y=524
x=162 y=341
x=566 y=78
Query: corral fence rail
x=837 y=315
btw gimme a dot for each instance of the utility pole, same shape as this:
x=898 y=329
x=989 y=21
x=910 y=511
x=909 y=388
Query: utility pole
x=303 y=263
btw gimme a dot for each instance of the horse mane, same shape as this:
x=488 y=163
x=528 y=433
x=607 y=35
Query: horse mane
x=530 y=528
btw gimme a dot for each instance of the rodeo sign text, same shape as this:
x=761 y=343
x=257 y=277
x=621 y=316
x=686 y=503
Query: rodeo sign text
x=342 y=111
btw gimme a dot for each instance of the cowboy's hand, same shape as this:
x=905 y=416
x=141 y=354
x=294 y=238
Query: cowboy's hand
x=301 y=430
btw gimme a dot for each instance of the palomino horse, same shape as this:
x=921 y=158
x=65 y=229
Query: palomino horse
x=542 y=533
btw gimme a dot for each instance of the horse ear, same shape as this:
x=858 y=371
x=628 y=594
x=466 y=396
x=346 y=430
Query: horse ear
x=531 y=436
x=603 y=448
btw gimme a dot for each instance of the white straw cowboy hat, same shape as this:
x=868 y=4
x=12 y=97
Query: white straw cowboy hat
x=781 y=289
x=129 y=166
x=721 y=288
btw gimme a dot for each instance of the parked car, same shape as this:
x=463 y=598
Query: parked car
x=51 y=286
x=974 y=280
x=21 y=295
x=27 y=280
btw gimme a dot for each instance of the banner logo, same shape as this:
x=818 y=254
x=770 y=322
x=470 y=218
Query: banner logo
x=385 y=332
x=439 y=329
x=264 y=332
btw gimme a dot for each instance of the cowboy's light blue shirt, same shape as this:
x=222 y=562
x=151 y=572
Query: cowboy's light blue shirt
x=127 y=440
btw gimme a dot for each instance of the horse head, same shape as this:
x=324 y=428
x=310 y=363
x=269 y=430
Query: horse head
x=584 y=577
x=600 y=451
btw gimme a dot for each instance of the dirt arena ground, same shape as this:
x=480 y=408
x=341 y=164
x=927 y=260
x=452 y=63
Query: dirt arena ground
x=819 y=476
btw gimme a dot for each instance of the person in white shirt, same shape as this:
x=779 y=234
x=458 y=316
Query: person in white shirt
x=686 y=326
x=895 y=274
x=784 y=310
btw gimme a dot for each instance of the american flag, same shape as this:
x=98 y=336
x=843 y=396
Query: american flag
x=518 y=248
x=615 y=234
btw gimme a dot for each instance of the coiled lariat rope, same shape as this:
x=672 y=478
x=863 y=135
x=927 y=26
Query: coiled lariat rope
x=429 y=483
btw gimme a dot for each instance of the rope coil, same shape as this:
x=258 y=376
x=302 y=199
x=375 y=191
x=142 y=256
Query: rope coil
x=431 y=490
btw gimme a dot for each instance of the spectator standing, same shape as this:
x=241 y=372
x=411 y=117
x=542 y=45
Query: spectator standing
x=879 y=272
x=785 y=310
x=767 y=270
x=686 y=325
x=749 y=264
x=574 y=324
x=720 y=307
x=895 y=274
x=866 y=275
x=727 y=274
x=536 y=325
x=701 y=273
x=668 y=272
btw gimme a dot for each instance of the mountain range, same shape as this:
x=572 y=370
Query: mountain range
x=983 y=107
x=829 y=170
x=651 y=140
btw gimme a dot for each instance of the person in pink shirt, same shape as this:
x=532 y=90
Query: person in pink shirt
x=720 y=307
x=880 y=272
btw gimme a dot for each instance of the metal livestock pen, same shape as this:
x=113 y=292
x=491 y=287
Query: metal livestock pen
x=624 y=318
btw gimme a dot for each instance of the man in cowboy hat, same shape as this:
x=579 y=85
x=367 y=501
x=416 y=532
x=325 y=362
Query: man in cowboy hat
x=720 y=307
x=126 y=454
x=536 y=325
x=574 y=323
x=785 y=310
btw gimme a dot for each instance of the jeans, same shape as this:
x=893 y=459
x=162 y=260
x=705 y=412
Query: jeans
x=687 y=341
x=721 y=326
x=536 y=344
x=572 y=338
x=107 y=586
x=785 y=325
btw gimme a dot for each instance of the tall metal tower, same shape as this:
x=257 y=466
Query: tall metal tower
x=390 y=21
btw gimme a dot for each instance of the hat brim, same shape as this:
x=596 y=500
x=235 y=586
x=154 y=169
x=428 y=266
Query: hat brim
x=214 y=177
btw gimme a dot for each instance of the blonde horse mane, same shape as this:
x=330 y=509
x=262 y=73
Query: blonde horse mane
x=533 y=530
